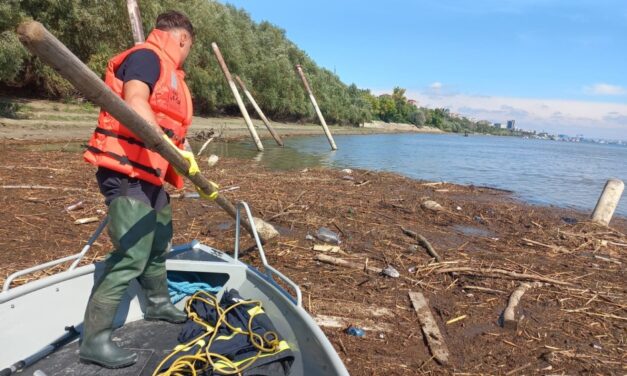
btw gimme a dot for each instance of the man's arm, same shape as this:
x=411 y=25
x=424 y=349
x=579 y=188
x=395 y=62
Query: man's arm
x=136 y=95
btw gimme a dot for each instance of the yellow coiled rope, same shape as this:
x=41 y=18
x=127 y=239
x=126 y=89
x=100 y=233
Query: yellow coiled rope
x=203 y=358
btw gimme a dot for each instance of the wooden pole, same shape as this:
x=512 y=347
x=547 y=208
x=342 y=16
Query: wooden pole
x=41 y=43
x=608 y=201
x=327 y=132
x=252 y=100
x=136 y=21
x=238 y=98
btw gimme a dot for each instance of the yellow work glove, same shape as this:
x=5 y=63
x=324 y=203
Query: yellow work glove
x=187 y=155
x=211 y=196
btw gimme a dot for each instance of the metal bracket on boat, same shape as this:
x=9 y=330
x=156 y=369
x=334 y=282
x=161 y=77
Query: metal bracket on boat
x=76 y=257
x=269 y=271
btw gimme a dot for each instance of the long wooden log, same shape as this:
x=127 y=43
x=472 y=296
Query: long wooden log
x=346 y=264
x=51 y=51
x=263 y=117
x=500 y=273
x=327 y=132
x=238 y=98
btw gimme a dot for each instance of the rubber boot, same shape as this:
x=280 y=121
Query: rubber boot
x=154 y=279
x=159 y=305
x=96 y=346
x=131 y=228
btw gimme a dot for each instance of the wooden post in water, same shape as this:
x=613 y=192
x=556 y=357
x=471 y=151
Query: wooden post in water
x=238 y=98
x=136 y=21
x=608 y=201
x=327 y=132
x=275 y=135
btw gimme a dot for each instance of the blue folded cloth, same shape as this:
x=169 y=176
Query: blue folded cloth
x=179 y=290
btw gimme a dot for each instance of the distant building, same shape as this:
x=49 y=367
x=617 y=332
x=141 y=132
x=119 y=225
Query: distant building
x=511 y=124
x=413 y=102
x=497 y=125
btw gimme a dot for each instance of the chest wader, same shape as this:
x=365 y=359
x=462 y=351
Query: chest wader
x=141 y=237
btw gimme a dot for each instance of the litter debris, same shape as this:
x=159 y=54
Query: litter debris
x=347 y=171
x=77 y=206
x=328 y=236
x=229 y=189
x=569 y=220
x=355 y=331
x=265 y=230
x=83 y=221
x=433 y=184
x=456 y=319
x=390 y=272
x=212 y=160
x=596 y=346
x=478 y=219
x=309 y=237
x=412 y=248
x=338 y=322
x=348 y=177
x=327 y=248
x=607 y=259
x=432 y=205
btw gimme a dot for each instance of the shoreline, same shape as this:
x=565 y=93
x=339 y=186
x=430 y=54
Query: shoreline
x=77 y=145
x=50 y=120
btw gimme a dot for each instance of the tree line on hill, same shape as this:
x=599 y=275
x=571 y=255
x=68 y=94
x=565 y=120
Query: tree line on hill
x=259 y=53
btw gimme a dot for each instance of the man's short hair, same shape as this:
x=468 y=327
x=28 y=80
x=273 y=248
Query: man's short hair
x=173 y=19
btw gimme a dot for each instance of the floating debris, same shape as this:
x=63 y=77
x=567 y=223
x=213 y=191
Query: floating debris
x=390 y=272
x=83 y=221
x=327 y=248
x=212 y=160
x=328 y=236
x=432 y=205
x=355 y=331
x=77 y=206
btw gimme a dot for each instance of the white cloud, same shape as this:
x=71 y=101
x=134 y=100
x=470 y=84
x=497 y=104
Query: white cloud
x=436 y=85
x=593 y=119
x=605 y=89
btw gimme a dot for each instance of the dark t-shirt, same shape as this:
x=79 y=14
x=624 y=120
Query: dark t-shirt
x=142 y=65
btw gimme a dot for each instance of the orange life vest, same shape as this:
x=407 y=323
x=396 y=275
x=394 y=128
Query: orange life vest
x=115 y=147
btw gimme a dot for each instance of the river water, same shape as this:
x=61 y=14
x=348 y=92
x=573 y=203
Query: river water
x=540 y=172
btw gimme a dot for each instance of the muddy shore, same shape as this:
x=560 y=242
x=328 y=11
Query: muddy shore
x=576 y=325
x=49 y=120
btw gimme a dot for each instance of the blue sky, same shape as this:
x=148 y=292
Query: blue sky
x=554 y=65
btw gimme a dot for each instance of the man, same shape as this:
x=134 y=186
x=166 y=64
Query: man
x=150 y=79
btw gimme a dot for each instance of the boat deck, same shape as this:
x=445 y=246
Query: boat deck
x=152 y=340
